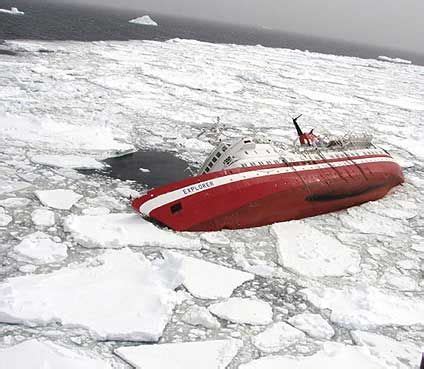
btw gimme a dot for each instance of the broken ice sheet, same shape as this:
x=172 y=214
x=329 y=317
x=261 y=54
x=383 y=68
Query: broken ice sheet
x=58 y=199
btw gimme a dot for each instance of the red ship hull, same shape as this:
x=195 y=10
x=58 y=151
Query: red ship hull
x=257 y=196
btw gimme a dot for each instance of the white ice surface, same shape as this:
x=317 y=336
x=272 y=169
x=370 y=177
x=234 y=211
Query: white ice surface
x=13 y=11
x=277 y=337
x=187 y=355
x=125 y=298
x=7 y=186
x=207 y=280
x=394 y=60
x=243 y=310
x=58 y=199
x=144 y=20
x=199 y=315
x=67 y=161
x=15 y=202
x=120 y=230
x=43 y=217
x=39 y=248
x=312 y=324
x=333 y=356
x=5 y=218
x=311 y=252
x=34 y=354
x=366 y=307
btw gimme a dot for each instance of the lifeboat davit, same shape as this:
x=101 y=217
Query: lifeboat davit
x=250 y=182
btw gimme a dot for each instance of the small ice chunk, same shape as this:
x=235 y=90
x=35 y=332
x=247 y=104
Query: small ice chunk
x=187 y=355
x=241 y=310
x=119 y=230
x=389 y=351
x=333 y=356
x=39 y=248
x=144 y=170
x=207 y=280
x=28 y=268
x=199 y=315
x=310 y=252
x=5 y=219
x=123 y=298
x=276 y=337
x=43 y=217
x=58 y=199
x=366 y=307
x=144 y=20
x=34 y=354
x=96 y=211
x=12 y=11
x=15 y=202
x=67 y=161
x=312 y=324
x=127 y=192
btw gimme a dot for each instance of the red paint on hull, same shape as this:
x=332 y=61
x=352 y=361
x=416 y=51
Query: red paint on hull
x=273 y=198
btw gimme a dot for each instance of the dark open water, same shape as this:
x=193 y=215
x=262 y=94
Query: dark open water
x=65 y=22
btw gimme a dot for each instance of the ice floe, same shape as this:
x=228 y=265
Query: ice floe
x=43 y=217
x=7 y=186
x=199 y=315
x=12 y=11
x=15 y=202
x=394 y=60
x=366 y=307
x=207 y=280
x=39 y=248
x=312 y=324
x=187 y=355
x=124 y=298
x=5 y=218
x=243 y=310
x=34 y=354
x=144 y=20
x=67 y=161
x=121 y=229
x=333 y=356
x=276 y=337
x=58 y=199
x=311 y=252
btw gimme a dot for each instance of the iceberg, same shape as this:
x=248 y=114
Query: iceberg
x=144 y=20
x=13 y=11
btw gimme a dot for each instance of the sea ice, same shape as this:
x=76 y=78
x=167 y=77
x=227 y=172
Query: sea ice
x=39 y=248
x=96 y=211
x=187 y=355
x=394 y=60
x=34 y=354
x=215 y=238
x=7 y=186
x=366 y=307
x=15 y=202
x=5 y=219
x=199 y=315
x=276 y=337
x=124 y=298
x=314 y=325
x=119 y=230
x=58 y=199
x=13 y=11
x=67 y=161
x=144 y=20
x=389 y=351
x=308 y=251
x=242 y=310
x=333 y=356
x=207 y=280
x=43 y=217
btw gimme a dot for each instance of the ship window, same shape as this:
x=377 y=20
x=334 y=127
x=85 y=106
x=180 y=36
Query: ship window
x=260 y=162
x=210 y=164
x=214 y=159
x=218 y=154
x=176 y=208
x=206 y=170
x=246 y=153
x=247 y=141
x=244 y=165
x=268 y=151
x=224 y=148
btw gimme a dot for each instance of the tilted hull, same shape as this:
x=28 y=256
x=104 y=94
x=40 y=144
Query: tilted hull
x=257 y=196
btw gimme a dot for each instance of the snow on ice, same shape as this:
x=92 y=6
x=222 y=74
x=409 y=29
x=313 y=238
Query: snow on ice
x=242 y=310
x=366 y=307
x=67 y=161
x=207 y=280
x=277 y=337
x=34 y=354
x=120 y=230
x=39 y=248
x=124 y=298
x=199 y=315
x=144 y=20
x=333 y=356
x=312 y=324
x=187 y=355
x=394 y=60
x=311 y=252
x=58 y=199
x=43 y=217
x=15 y=202
x=5 y=219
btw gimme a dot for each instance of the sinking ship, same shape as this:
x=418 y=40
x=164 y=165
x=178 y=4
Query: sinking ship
x=251 y=182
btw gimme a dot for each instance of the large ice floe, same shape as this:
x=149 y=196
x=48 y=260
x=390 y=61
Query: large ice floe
x=120 y=230
x=189 y=355
x=328 y=276
x=123 y=298
x=33 y=354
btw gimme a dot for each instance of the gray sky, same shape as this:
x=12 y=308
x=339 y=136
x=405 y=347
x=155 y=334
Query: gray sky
x=396 y=24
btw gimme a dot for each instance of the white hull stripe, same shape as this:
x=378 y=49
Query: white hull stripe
x=181 y=193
